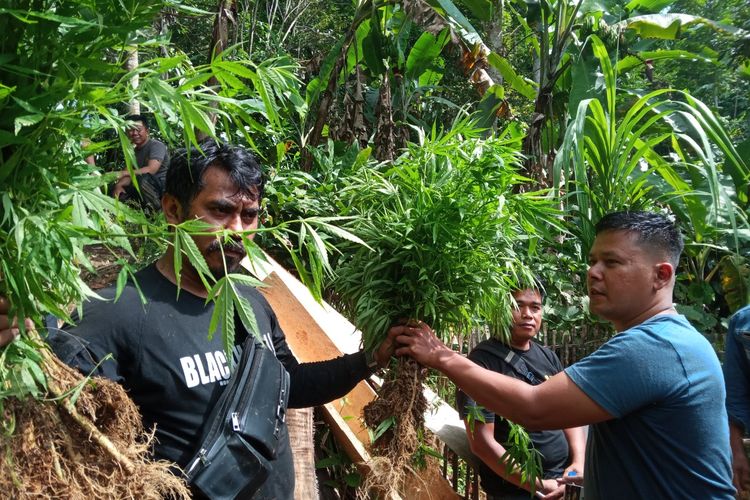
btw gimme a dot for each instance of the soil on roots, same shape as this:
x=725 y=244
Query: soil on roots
x=50 y=454
x=401 y=398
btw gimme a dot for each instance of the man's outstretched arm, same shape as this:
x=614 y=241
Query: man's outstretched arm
x=319 y=382
x=557 y=403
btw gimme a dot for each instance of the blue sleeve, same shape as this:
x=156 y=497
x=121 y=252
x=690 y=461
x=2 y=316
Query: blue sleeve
x=737 y=369
x=627 y=372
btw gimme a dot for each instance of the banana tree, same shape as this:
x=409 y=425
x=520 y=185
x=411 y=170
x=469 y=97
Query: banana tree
x=564 y=71
x=377 y=49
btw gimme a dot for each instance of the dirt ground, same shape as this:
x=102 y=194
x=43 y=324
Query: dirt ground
x=106 y=266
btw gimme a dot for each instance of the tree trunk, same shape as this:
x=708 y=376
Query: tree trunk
x=385 y=141
x=225 y=14
x=495 y=39
x=537 y=163
x=131 y=62
x=300 y=424
x=324 y=104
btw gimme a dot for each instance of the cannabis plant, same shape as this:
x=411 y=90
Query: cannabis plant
x=443 y=224
x=62 y=90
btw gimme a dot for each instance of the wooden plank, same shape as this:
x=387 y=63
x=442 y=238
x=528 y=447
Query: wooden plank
x=309 y=342
x=317 y=332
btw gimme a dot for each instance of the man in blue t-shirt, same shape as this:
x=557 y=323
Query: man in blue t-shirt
x=653 y=394
x=737 y=376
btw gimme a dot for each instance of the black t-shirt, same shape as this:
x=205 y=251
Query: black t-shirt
x=162 y=355
x=553 y=445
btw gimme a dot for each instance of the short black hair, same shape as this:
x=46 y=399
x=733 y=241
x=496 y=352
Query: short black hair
x=652 y=229
x=138 y=118
x=188 y=166
x=538 y=285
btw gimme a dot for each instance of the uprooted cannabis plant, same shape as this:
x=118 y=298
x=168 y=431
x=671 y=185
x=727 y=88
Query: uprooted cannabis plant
x=447 y=235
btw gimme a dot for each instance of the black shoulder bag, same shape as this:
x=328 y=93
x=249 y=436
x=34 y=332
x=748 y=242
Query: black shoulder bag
x=515 y=361
x=242 y=433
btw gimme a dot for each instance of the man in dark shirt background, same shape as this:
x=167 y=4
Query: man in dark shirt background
x=152 y=162
x=562 y=450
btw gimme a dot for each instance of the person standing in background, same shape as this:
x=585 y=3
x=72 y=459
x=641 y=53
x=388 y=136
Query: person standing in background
x=737 y=378
x=524 y=359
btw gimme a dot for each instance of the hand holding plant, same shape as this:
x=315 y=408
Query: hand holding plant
x=10 y=329
x=421 y=344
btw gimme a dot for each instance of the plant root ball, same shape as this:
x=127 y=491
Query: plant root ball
x=47 y=454
x=400 y=398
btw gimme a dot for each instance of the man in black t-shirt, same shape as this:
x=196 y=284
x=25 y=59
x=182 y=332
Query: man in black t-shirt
x=562 y=450
x=160 y=349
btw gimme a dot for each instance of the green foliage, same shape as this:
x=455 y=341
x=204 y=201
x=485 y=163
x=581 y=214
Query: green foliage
x=544 y=57
x=473 y=415
x=613 y=160
x=521 y=457
x=669 y=26
x=390 y=50
x=46 y=217
x=420 y=456
x=520 y=454
x=441 y=224
x=425 y=50
x=735 y=281
x=381 y=429
x=522 y=85
x=63 y=82
x=20 y=367
x=62 y=70
x=342 y=473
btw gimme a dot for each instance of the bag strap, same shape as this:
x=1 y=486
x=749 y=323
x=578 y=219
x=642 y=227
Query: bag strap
x=514 y=360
